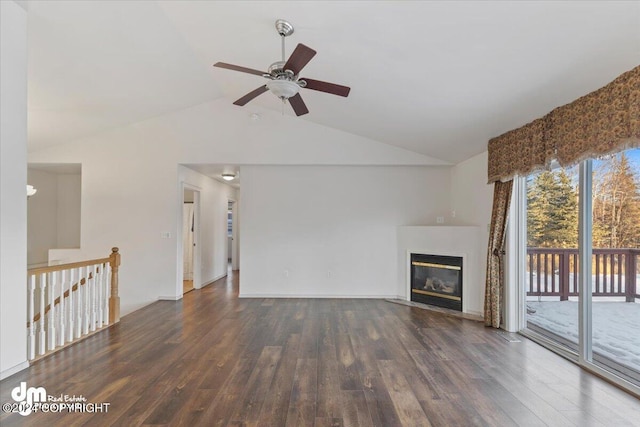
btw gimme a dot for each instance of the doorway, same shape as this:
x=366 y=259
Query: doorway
x=189 y=233
x=232 y=235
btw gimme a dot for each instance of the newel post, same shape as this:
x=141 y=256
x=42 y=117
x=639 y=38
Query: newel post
x=114 y=300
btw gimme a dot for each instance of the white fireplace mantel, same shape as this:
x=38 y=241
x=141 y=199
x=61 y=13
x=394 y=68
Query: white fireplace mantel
x=461 y=241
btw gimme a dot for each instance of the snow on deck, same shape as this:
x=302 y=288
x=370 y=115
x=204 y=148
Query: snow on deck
x=616 y=326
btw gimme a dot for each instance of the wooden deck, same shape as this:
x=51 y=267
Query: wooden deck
x=215 y=360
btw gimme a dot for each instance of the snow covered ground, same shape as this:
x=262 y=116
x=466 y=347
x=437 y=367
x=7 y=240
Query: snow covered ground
x=616 y=326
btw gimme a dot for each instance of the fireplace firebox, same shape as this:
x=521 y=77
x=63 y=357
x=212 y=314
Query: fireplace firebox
x=437 y=280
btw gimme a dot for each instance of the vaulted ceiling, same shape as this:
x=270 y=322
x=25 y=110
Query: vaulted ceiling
x=439 y=78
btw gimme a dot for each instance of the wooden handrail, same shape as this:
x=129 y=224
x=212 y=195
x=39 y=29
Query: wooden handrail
x=60 y=267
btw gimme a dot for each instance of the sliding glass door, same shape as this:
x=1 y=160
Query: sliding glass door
x=615 y=303
x=582 y=263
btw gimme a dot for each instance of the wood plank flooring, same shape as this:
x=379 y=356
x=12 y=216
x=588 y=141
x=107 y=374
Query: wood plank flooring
x=187 y=286
x=213 y=359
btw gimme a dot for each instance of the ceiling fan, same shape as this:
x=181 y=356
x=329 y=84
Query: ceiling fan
x=283 y=75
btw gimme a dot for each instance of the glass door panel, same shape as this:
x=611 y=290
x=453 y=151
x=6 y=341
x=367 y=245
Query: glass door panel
x=615 y=307
x=552 y=279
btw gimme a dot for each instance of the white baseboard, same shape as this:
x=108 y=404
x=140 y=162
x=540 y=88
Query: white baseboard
x=341 y=296
x=215 y=279
x=169 y=298
x=475 y=313
x=14 y=370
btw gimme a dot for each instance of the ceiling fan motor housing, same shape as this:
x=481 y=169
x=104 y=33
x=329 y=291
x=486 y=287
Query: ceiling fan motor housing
x=276 y=69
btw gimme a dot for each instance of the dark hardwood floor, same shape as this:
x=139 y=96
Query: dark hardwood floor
x=213 y=359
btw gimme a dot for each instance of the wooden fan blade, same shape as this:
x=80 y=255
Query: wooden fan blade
x=327 y=87
x=238 y=68
x=298 y=105
x=248 y=97
x=299 y=58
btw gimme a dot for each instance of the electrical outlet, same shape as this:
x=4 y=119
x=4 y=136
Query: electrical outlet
x=440 y=220
x=165 y=235
x=286 y=273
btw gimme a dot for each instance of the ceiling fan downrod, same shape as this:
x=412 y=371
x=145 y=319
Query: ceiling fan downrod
x=285 y=29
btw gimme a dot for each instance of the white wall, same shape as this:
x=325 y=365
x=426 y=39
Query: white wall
x=131 y=192
x=331 y=230
x=13 y=200
x=69 y=207
x=42 y=217
x=53 y=214
x=472 y=199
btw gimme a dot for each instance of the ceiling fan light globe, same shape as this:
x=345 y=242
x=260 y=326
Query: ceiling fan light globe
x=283 y=89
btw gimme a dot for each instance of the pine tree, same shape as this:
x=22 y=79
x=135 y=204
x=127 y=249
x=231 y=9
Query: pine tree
x=565 y=208
x=616 y=204
x=538 y=190
x=552 y=219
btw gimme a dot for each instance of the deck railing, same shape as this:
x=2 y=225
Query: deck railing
x=68 y=302
x=554 y=272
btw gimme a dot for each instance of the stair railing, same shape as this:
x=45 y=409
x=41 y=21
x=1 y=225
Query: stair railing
x=68 y=302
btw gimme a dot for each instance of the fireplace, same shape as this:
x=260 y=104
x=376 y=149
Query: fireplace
x=437 y=280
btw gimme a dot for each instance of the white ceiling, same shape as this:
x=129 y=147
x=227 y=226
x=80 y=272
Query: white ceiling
x=57 y=168
x=439 y=78
x=216 y=171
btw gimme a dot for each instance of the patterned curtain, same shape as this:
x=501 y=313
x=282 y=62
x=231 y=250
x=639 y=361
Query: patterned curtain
x=602 y=122
x=519 y=152
x=495 y=259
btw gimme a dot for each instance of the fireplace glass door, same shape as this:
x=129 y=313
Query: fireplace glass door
x=437 y=280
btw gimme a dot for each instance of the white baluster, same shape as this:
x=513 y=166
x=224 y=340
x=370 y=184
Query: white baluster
x=31 y=338
x=71 y=313
x=42 y=335
x=92 y=299
x=107 y=291
x=99 y=294
x=62 y=327
x=85 y=320
x=79 y=308
x=51 y=318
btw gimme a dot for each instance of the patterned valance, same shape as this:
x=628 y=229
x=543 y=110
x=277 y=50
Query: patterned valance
x=601 y=122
